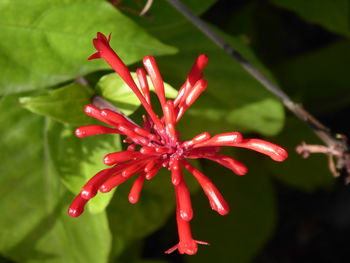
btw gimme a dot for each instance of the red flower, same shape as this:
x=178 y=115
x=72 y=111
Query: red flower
x=159 y=144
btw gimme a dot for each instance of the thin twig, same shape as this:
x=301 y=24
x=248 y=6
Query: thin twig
x=323 y=132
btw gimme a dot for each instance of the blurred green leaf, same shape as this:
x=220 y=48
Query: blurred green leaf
x=320 y=78
x=238 y=236
x=64 y=104
x=47 y=42
x=305 y=174
x=334 y=15
x=77 y=160
x=34 y=225
x=114 y=89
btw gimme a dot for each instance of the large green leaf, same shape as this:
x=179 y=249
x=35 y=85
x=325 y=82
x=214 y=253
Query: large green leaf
x=332 y=14
x=238 y=236
x=114 y=89
x=47 y=42
x=320 y=78
x=64 y=104
x=34 y=225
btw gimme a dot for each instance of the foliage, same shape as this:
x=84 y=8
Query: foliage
x=44 y=47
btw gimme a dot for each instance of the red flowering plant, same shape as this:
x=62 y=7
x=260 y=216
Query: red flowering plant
x=156 y=144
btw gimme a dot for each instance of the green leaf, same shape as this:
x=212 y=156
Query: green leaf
x=77 y=160
x=64 y=104
x=305 y=174
x=334 y=15
x=49 y=41
x=319 y=79
x=34 y=225
x=114 y=89
x=238 y=236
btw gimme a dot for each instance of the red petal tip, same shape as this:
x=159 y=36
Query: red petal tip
x=132 y=200
x=96 y=55
x=79 y=133
x=74 y=212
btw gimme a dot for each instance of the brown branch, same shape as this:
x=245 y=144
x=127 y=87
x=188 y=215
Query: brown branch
x=323 y=132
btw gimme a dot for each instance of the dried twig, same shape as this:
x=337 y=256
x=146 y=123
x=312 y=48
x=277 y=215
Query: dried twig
x=333 y=144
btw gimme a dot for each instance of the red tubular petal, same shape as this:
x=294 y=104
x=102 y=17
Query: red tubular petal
x=120 y=157
x=162 y=149
x=184 y=199
x=77 y=206
x=131 y=147
x=176 y=172
x=196 y=71
x=151 y=173
x=217 y=202
x=135 y=191
x=148 y=150
x=150 y=165
x=194 y=75
x=170 y=119
x=90 y=189
x=275 y=152
x=202 y=152
x=138 y=139
x=153 y=72
x=198 y=139
x=191 y=97
x=90 y=130
x=115 y=117
x=146 y=133
x=138 y=166
x=112 y=182
x=232 y=164
x=223 y=139
x=107 y=53
x=124 y=173
x=187 y=245
x=95 y=112
x=141 y=75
